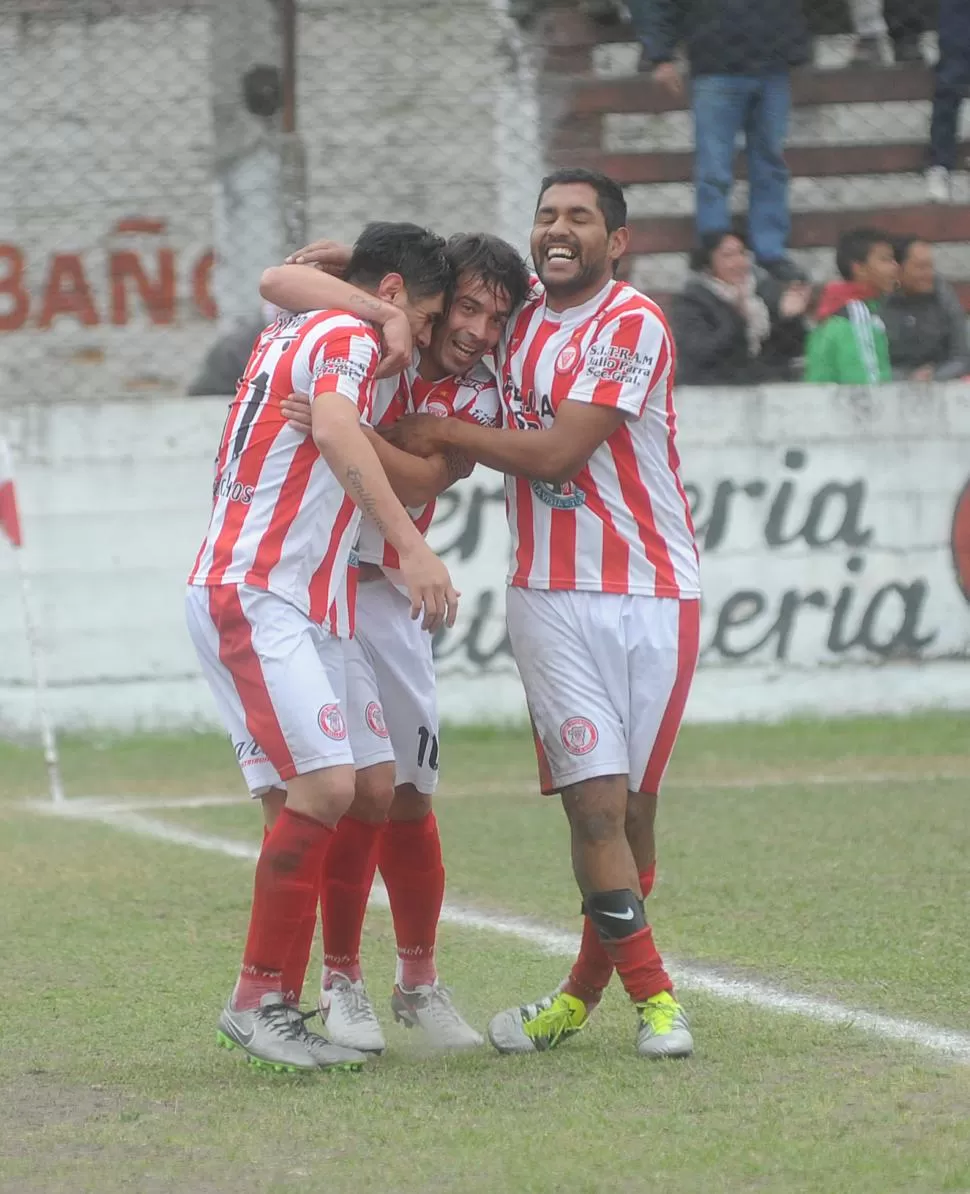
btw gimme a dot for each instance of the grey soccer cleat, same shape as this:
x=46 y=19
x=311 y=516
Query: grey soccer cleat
x=268 y=1035
x=325 y=1053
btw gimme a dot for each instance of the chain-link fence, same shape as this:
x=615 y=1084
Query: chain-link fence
x=157 y=154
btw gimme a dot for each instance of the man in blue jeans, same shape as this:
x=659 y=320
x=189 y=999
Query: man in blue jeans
x=741 y=53
x=952 y=88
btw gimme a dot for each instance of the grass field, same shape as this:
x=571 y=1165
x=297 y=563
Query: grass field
x=832 y=860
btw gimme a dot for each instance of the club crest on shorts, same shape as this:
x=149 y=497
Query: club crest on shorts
x=578 y=735
x=567 y=358
x=374 y=716
x=331 y=721
x=438 y=408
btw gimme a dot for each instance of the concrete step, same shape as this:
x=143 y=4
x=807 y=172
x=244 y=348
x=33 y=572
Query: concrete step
x=825 y=125
x=882 y=191
x=666 y=273
x=617 y=60
x=675 y=234
x=814 y=161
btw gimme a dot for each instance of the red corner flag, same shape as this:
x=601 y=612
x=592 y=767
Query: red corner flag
x=9 y=515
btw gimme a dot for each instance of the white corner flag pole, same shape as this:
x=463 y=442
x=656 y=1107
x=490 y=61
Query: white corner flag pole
x=10 y=523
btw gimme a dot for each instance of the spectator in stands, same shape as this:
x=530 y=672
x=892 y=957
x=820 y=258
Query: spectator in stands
x=734 y=325
x=926 y=326
x=849 y=344
x=902 y=20
x=952 y=84
x=740 y=57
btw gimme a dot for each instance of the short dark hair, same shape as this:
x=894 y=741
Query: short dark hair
x=708 y=244
x=492 y=260
x=416 y=254
x=902 y=246
x=855 y=246
x=609 y=194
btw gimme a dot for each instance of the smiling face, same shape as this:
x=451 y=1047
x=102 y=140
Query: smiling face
x=471 y=327
x=573 y=252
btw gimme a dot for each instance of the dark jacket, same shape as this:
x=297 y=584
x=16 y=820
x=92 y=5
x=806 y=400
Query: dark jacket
x=712 y=343
x=927 y=329
x=725 y=37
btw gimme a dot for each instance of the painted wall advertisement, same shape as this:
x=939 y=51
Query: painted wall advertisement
x=834 y=528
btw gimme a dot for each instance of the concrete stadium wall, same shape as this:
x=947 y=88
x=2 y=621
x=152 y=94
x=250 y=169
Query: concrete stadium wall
x=834 y=526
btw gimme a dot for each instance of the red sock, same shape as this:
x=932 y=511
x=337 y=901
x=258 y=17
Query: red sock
x=639 y=965
x=593 y=969
x=345 y=891
x=294 y=972
x=286 y=885
x=411 y=866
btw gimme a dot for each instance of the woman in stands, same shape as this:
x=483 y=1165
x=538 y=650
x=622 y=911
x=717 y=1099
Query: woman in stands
x=735 y=325
x=925 y=323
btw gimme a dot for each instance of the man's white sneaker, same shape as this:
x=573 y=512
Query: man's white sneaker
x=349 y=1015
x=938 y=184
x=431 y=1008
x=268 y=1035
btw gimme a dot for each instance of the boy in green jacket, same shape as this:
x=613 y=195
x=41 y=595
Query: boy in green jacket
x=849 y=345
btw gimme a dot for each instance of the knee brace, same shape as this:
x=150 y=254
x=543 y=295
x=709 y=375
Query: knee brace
x=615 y=914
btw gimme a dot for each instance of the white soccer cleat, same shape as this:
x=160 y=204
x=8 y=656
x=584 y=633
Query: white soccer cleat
x=938 y=184
x=268 y=1035
x=349 y=1015
x=431 y=1008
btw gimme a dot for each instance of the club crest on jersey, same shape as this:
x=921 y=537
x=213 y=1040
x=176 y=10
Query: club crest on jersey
x=374 y=716
x=567 y=358
x=331 y=721
x=578 y=735
x=438 y=408
x=567 y=496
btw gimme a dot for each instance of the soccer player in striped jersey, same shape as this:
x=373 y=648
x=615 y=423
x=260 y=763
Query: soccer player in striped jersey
x=603 y=598
x=391 y=695
x=285 y=513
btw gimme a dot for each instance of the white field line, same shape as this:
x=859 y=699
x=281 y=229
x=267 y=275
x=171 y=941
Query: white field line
x=947 y=1042
x=82 y=805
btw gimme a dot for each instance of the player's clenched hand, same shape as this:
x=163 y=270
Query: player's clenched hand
x=398 y=344
x=429 y=587
x=297 y=411
x=329 y=255
x=421 y=435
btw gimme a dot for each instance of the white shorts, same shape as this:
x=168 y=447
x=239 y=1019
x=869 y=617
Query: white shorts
x=391 y=700
x=606 y=677
x=278 y=681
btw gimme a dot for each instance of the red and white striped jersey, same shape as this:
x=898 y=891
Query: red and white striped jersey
x=473 y=397
x=280 y=518
x=623 y=524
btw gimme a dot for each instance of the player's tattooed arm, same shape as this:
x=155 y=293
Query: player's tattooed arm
x=363 y=499
x=555 y=454
x=303 y=288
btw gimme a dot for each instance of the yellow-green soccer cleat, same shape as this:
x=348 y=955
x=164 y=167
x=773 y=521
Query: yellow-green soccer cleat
x=664 y=1030
x=538 y=1026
